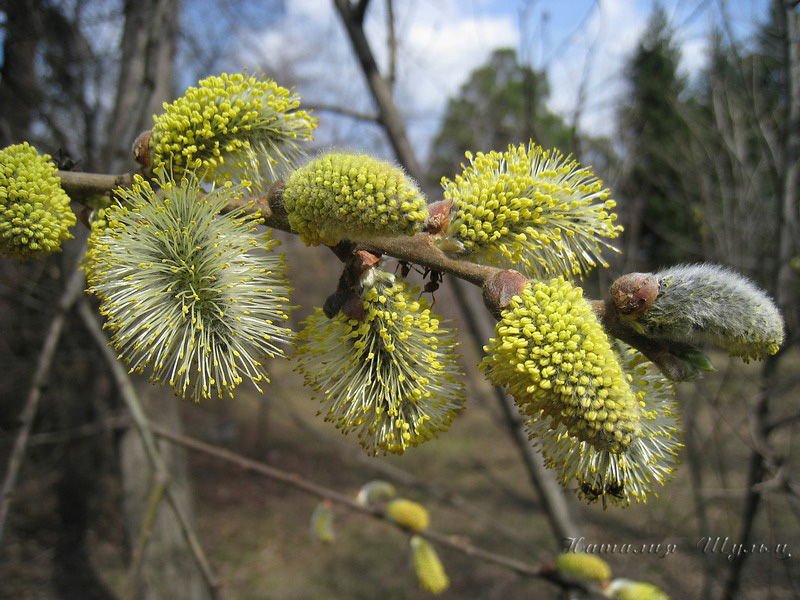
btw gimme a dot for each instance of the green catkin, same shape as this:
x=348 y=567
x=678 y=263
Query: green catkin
x=551 y=353
x=531 y=210
x=704 y=303
x=35 y=215
x=187 y=291
x=322 y=522
x=375 y=491
x=393 y=378
x=352 y=196
x=232 y=127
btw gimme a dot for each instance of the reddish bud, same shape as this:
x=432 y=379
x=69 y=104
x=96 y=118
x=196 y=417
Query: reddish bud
x=500 y=288
x=634 y=293
x=438 y=216
x=141 y=150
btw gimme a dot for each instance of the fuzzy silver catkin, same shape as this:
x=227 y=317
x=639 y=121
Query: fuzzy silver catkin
x=704 y=303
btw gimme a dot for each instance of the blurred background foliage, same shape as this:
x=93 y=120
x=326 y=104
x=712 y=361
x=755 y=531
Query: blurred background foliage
x=702 y=170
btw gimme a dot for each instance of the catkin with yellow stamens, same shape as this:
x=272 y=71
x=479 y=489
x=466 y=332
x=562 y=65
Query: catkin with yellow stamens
x=551 y=353
x=232 y=127
x=619 y=478
x=531 y=210
x=35 y=215
x=352 y=196
x=391 y=377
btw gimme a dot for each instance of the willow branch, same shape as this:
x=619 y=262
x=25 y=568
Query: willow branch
x=71 y=293
x=420 y=249
x=457 y=543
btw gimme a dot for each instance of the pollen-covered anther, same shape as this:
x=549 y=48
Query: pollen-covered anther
x=531 y=210
x=340 y=196
x=35 y=215
x=183 y=290
x=553 y=356
x=383 y=366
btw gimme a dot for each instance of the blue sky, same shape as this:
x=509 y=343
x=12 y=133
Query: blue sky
x=442 y=41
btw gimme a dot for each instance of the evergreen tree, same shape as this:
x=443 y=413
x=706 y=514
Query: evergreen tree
x=659 y=224
x=502 y=103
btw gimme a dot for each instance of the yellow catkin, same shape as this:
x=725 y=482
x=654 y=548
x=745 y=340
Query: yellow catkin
x=577 y=566
x=531 y=210
x=352 y=196
x=35 y=215
x=553 y=356
x=408 y=514
x=428 y=567
x=235 y=127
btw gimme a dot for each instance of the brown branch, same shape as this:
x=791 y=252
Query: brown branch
x=145 y=533
x=420 y=249
x=72 y=291
x=341 y=110
x=453 y=542
x=81 y=186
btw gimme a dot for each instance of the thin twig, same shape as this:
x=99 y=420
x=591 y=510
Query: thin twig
x=453 y=542
x=72 y=291
x=341 y=110
x=145 y=534
x=432 y=489
x=128 y=393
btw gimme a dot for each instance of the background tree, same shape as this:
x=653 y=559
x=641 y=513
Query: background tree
x=659 y=223
x=502 y=103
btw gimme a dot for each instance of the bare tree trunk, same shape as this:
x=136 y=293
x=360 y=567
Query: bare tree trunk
x=789 y=175
x=19 y=89
x=145 y=77
x=168 y=569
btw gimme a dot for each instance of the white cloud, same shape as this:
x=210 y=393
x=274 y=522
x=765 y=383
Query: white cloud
x=442 y=41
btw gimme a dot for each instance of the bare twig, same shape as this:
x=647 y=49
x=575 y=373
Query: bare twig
x=453 y=542
x=128 y=393
x=381 y=90
x=391 y=42
x=72 y=291
x=341 y=110
x=145 y=533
